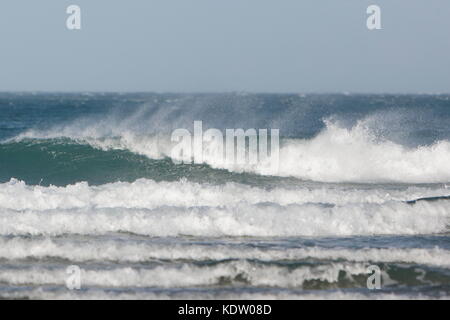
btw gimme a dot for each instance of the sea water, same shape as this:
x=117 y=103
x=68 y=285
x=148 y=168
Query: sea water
x=87 y=180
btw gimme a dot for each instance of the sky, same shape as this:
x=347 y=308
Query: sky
x=285 y=46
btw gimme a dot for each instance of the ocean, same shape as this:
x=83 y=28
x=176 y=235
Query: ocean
x=93 y=205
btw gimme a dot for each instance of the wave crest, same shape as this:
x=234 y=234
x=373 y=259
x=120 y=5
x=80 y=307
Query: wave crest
x=336 y=154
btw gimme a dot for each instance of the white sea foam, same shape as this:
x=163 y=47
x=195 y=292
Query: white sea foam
x=235 y=220
x=187 y=275
x=184 y=208
x=337 y=154
x=148 y=194
x=120 y=251
x=98 y=294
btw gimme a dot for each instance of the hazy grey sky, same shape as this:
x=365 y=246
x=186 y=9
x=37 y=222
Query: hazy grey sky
x=225 y=45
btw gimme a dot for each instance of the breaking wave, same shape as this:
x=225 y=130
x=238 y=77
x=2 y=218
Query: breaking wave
x=140 y=251
x=336 y=154
x=183 y=208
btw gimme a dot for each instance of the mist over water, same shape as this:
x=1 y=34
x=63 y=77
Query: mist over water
x=89 y=179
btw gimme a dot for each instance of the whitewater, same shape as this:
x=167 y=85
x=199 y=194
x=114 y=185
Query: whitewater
x=90 y=180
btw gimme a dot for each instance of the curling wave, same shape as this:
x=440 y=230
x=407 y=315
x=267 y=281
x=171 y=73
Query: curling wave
x=336 y=154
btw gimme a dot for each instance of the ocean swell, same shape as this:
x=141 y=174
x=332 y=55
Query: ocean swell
x=336 y=154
